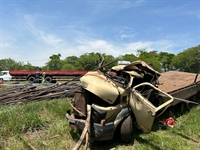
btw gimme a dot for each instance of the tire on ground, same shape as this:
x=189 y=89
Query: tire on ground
x=126 y=129
x=48 y=79
x=31 y=79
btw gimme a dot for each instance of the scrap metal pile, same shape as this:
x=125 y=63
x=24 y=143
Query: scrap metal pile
x=37 y=92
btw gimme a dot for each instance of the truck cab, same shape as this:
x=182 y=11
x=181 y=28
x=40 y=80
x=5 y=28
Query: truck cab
x=4 y=75
x=117 y=99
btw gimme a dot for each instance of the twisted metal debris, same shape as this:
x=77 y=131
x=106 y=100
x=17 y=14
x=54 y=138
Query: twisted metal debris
x=36 y=92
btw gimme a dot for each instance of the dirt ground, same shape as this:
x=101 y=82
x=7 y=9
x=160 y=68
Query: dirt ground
x=4 y=87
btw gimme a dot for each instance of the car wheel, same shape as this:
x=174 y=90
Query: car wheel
x=126 y=129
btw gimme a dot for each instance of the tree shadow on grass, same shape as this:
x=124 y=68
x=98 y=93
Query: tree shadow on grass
x=186 y=137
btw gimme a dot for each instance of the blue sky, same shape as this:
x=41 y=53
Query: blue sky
x=31 y=31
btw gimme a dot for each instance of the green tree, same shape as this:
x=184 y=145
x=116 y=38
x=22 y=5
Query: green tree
x=71 y=59
x=69 y=63
x=188 y=60
x=165 y=60
x=67 y=66
x=87 y=61
x=28 y=66
x=150 y=58
x=54 y=63
x=109 y=59
x=10 y=64
x=129 y=57
x=126 y=57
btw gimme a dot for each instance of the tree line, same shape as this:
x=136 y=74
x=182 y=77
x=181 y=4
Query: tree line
x=188 y=61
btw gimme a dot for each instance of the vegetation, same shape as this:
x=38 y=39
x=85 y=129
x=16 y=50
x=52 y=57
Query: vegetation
x=43 y=125
x=188 y=60
x=166 y=60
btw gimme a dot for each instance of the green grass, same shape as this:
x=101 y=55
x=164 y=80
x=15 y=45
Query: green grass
x=44 y=126
x=37 y=122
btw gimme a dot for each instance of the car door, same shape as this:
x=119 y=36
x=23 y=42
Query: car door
x=143 y=109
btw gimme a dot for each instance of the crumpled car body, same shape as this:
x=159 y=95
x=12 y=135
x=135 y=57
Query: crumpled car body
x=119 y=97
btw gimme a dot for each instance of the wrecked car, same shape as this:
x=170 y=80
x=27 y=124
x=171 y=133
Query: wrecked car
x=118 y=98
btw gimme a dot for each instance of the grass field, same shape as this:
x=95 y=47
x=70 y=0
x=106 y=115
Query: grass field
x=43 y=126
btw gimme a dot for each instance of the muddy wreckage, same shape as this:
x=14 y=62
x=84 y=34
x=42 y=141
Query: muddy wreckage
x=110 y=100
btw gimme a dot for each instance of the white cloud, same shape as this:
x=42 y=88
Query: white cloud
x=100 y=46
x=130 y=4
x=125 y=33
x=117 y=49
x=48 y=38
x=97 y=27
x=133 y=47
x=125 y=36
x=5 y=45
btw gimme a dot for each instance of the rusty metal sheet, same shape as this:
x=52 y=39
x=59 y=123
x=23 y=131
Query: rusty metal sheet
x=174 y=80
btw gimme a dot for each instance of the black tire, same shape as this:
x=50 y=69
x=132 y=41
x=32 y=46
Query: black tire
x=198 y=95
x=31 y=79
x=126 y=129
x=48 y=79
x=54 y=81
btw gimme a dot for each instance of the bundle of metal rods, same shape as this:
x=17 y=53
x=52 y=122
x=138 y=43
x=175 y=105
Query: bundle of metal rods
x=36 y=92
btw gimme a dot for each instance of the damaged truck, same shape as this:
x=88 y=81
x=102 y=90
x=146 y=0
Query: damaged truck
x=117 y=98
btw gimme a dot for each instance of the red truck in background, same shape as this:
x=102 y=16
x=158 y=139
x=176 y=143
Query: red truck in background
x=51 y=76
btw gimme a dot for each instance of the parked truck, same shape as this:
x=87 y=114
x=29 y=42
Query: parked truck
x=51 y=76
